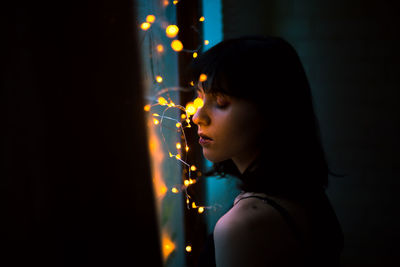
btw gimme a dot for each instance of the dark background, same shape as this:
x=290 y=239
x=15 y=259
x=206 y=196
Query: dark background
x=350 y=51
x=75 y=182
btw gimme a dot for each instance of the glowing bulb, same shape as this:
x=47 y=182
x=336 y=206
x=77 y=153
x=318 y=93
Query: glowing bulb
x=150 y=18
x=175 y=2
x=191 y=83
x=193 y=168
x=174 y=190
x=147 y=107
x=178 y=125
x=194 y=205
x=145 y=26
x=178 y=146
x=163 y=189
x=167 y=246
x=187 y=148
x=170 y=155
x=172 y=31
x=190 y=109
x=203 y=77
x=206 y=42
x=183 y=116
x=177 y=45
x=159 y=79
x=178 y=156
x=200 y=210
x=162 y=101
x=166 y=2
x=156 y=121
x=195 y=54
x=186 y=182
x=189 y=248
x=201 y=19
x=198 y=103
x=160 y=48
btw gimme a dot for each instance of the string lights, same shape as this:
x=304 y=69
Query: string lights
x=159 y=110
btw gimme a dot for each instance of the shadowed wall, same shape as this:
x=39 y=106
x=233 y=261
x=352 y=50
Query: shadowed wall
x=75 y=182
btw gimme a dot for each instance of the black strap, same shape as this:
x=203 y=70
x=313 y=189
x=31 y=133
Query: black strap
x=284 y=213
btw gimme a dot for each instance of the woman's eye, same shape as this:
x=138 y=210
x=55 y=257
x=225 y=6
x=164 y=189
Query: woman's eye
x=222 y=101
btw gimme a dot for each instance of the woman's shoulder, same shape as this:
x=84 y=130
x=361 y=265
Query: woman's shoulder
x=252 y=232
x=248 y=211
x=251 y=212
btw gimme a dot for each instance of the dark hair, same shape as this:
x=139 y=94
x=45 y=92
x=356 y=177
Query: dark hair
x=267 y=71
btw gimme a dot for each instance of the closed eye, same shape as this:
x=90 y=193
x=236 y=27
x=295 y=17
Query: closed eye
x=222 y=101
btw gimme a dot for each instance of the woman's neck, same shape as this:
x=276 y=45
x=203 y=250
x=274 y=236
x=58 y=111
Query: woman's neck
x=242 y=162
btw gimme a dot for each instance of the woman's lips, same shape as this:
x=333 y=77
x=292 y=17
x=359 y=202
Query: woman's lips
x=204 y=139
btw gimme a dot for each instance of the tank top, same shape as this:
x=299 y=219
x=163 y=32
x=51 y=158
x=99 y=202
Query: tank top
x=327 y=239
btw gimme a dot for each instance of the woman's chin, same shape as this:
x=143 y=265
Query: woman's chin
x=213 y=157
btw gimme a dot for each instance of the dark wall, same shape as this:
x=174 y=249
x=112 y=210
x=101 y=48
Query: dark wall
x=75 y=181
x=350 y=50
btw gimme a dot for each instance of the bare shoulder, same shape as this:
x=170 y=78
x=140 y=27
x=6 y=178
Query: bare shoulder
x=252 y=233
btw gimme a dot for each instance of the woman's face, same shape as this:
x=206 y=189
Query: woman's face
x=228 y=128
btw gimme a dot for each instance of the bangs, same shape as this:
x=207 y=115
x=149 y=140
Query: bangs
x=209 y=71
x=213 y=84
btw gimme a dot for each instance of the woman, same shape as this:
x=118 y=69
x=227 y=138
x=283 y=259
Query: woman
x=258 y=123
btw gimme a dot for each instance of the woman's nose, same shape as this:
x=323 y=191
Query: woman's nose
x=201 y=117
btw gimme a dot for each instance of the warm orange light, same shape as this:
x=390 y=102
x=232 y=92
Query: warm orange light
x=145 y=26
x=162 y=190
x=147 y=107
x=186 y=182
x=183 y=116
x=198 y=103
x=189 y=248
x=177 y=45
x=201 y=19
x=203 y=77
x=166 y=2
x=195 y=54
x=156 y=122
x=178 y=125
x=162 y=101
x=206 y=42
x=175 y=2
x=190 y=109
x=178 y=146
x=200 y=210
x=160 y=48
x=178 y=156
x=174 y=190
x=193 y=168
x=150 y=18
x=167 y=246
x=172 y=31
x=159 y=79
